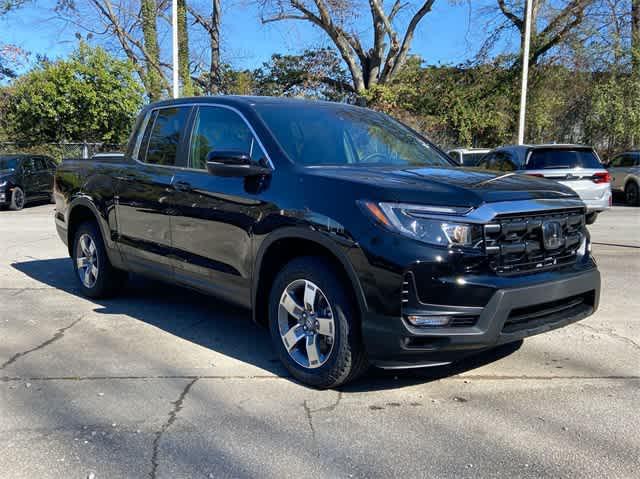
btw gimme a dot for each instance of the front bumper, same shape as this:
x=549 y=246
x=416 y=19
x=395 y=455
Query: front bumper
x=511 y=314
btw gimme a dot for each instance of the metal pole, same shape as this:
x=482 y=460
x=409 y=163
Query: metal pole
x=174 y=41
x=525 y=71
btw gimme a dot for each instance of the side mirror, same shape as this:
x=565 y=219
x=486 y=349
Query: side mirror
x=233 y=163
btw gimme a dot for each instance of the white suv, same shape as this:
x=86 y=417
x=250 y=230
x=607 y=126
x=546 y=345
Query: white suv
x=575 y=166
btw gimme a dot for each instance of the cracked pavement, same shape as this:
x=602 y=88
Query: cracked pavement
x=162 y=382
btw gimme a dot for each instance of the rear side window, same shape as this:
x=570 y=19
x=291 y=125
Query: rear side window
x=546 y=159
x=165 y=136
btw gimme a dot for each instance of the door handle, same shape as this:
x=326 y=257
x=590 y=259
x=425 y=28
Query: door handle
x=181 y=186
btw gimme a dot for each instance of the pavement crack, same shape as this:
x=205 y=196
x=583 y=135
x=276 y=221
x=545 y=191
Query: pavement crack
x=330 y=407
x=611 y=334
x=58 y=335
x=309 y=414
x=173 y=414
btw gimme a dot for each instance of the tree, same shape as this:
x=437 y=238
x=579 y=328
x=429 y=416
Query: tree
x=316 y=73
x=367 y=68
x=550 y=24
x=211 y=24
x=133 y=25
x=9 y=54
x=635 y=38
x=89 y=97
x=183 y=49
x=152 y=76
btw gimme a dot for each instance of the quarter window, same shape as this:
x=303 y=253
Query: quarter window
x=165 y=135
x=220 y=129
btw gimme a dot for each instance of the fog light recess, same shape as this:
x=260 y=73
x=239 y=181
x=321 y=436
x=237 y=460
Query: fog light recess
x=428 y=321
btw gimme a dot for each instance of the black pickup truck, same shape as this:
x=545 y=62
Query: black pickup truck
x=352 y=237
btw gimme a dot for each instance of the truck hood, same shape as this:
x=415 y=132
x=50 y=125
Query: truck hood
x=446 y=186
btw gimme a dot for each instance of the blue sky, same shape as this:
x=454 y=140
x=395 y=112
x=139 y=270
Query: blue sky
x=451 y=33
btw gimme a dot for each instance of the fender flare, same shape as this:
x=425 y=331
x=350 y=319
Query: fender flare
x=322 y=239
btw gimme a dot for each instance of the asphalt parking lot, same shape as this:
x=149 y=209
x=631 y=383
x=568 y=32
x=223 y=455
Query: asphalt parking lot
x=164 y=382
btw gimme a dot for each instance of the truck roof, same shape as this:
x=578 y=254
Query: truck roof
x=241 y=100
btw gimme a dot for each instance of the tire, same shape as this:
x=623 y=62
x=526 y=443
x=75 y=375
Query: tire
x=339 y=350
x=18 y=199
x=632 y=194
x=104 y=280
x=591 y=217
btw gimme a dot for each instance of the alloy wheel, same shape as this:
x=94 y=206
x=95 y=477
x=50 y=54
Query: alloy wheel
x=18 y=198
x=306 y=324
x=87 y=261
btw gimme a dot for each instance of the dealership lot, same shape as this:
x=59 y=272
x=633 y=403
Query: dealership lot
x=165 y=382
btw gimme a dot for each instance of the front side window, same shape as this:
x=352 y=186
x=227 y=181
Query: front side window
x=316 y=134
x=40 y=164
x=165 y=135
x=8 y=163
x=221 y=129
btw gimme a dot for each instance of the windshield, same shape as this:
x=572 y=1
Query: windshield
x=8 y=163
x=566 y=158
x=344 y=135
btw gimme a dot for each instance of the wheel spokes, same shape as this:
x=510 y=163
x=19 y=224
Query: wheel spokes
x=325 y=327
x=291 y=305
x=292 y=337
x=85 y=245
x=312 y=350
x=310 y=296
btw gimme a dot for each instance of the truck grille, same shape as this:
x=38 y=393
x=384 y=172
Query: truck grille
x=515 y=243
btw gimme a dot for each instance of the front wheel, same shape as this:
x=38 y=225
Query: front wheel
x=632 y=194
x=314 y=325
x=97 y=277
x=17 y=199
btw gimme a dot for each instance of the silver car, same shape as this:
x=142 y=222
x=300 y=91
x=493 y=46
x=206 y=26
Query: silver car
x=467 y=156
x=575 y=166
x=625 y=176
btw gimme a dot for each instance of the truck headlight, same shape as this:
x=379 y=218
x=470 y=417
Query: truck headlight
x=422 y=223
x=3 y=184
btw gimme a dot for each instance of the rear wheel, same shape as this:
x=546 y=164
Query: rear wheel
x=591 y=217
x=314 y=325
x=632 y=194
x=17 y=199
x=97 y=277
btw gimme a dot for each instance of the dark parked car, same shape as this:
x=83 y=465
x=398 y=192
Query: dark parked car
x=575 y=166
x=352 y=237
x=24 y=179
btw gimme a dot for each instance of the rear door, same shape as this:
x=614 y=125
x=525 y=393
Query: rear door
x=144 y=192
x=212 y=222
x=43 y=176
x=573 y=167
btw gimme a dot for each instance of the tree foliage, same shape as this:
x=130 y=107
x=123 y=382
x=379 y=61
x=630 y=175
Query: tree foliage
x=89 y=97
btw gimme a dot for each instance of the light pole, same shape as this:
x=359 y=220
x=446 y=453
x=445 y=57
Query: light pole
x=174 y=42
x=525 y=71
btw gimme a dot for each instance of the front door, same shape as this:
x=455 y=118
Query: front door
x=29 y=179
x=212 y=223
x=144 y=193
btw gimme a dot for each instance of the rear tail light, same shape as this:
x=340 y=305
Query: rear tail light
x=603 y=177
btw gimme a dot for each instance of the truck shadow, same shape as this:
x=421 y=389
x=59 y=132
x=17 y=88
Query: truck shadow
x=224 y=328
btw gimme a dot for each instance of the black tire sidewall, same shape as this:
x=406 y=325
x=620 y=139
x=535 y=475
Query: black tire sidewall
x=102 y=286
x=13 y=205
x=346 y=339
x=636 y=201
